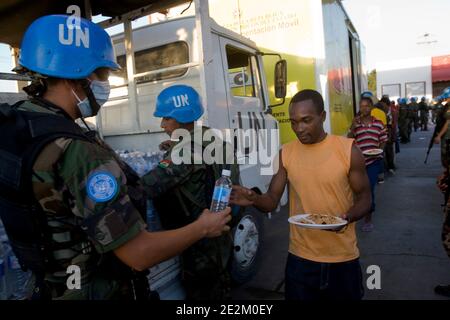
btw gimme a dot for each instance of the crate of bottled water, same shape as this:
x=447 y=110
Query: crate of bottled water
x=13 y=280
x=141 y=162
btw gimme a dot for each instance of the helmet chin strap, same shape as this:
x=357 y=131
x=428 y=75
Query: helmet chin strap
x=93 y=103
x=85 y=84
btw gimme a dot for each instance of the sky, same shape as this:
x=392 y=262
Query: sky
x=389 y=30
x=395 y=29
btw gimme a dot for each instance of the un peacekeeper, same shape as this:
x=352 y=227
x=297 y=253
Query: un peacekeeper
x=436 y=109
x=444 y=290
x=423 y=111
x=442 y=126
x=411 y=117
x=180 y=192
x=415 y=112
x=404 y=121
x=85 y=207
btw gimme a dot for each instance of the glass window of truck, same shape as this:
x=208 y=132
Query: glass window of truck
x=168 y=55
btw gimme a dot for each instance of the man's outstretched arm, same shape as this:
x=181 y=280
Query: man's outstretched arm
x=266 y=202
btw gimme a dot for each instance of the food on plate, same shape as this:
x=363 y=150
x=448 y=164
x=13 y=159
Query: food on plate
x=372 y=152
x=320 y=219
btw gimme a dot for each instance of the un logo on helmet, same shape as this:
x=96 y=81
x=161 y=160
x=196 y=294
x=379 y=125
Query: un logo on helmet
x=74 y=29
x=180 y=101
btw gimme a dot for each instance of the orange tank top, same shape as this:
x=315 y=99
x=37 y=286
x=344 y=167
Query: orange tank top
x=318 y=184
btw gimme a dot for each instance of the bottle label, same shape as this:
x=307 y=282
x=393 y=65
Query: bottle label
x=222 y=194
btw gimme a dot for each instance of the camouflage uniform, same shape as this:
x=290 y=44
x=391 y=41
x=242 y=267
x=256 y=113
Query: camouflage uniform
x=179 y=194
x=404 y=123
x=415 y=114
x=85 y=231
x=423 y=110
x=442 y=117
x=446 y=232
x=411 y=121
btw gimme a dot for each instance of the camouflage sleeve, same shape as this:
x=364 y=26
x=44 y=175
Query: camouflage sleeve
x=98 y=195
x=165 y=176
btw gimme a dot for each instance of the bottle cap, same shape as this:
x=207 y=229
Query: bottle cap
x=226 y=172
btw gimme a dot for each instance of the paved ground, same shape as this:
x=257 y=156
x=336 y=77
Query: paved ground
x=405 y=243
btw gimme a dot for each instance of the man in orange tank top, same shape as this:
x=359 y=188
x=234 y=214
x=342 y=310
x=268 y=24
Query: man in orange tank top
x=326 y=175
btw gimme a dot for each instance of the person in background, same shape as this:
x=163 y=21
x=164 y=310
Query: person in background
x=395 y=112
x=389 y=159
x=423 y=114
x=403 y=121
x=369 y=133
x=415 y=112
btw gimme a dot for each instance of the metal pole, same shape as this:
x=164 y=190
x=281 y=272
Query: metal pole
x=131 y=71
x=202 y=26
x=87 y=9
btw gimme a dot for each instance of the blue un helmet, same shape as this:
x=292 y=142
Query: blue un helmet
x=367 y=94
x=403 y=101
x=446 y=93
x=66 y=47
x=179 y=102
x=413 y=99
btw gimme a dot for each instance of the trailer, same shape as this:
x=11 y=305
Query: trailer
x=319 y=42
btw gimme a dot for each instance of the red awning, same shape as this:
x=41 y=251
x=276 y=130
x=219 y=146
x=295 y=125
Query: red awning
x=440 y=68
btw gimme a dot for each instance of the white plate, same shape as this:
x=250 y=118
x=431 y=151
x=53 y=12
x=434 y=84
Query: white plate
x=296 y=220
x=372 y=152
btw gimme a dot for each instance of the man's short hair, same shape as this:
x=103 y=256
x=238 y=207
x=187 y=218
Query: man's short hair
x=309 y=94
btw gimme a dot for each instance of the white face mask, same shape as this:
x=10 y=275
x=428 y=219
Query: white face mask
x=100 y=90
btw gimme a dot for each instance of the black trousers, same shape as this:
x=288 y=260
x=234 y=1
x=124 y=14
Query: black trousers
x=389 y=154
x=309 y=280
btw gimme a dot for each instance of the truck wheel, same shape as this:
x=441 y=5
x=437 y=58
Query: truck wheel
x=248 y=236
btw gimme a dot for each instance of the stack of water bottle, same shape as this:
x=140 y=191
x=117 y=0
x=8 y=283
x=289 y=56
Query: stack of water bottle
x=13 y=281
x=142 y=163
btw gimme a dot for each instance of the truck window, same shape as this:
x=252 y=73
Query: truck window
x=168 y=55
x=242 y=72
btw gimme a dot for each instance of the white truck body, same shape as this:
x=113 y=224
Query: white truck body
x=223 y=110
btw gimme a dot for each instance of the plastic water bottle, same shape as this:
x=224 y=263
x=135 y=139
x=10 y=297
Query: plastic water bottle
x=19 y=277
x=15 y=280
x=222 y=191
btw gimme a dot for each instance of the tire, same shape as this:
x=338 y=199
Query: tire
x=248 y=246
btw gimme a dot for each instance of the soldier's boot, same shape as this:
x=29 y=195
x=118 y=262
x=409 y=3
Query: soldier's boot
x=443 y=290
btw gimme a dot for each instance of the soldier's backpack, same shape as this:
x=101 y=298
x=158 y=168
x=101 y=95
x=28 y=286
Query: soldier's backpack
x=24 y=135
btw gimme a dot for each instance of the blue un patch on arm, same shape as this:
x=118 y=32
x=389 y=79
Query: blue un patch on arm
x=101 y=186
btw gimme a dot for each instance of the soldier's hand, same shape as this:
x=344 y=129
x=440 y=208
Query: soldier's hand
x=215 y=223
x=437 y=140
x=166 y=145
x=242 y=196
